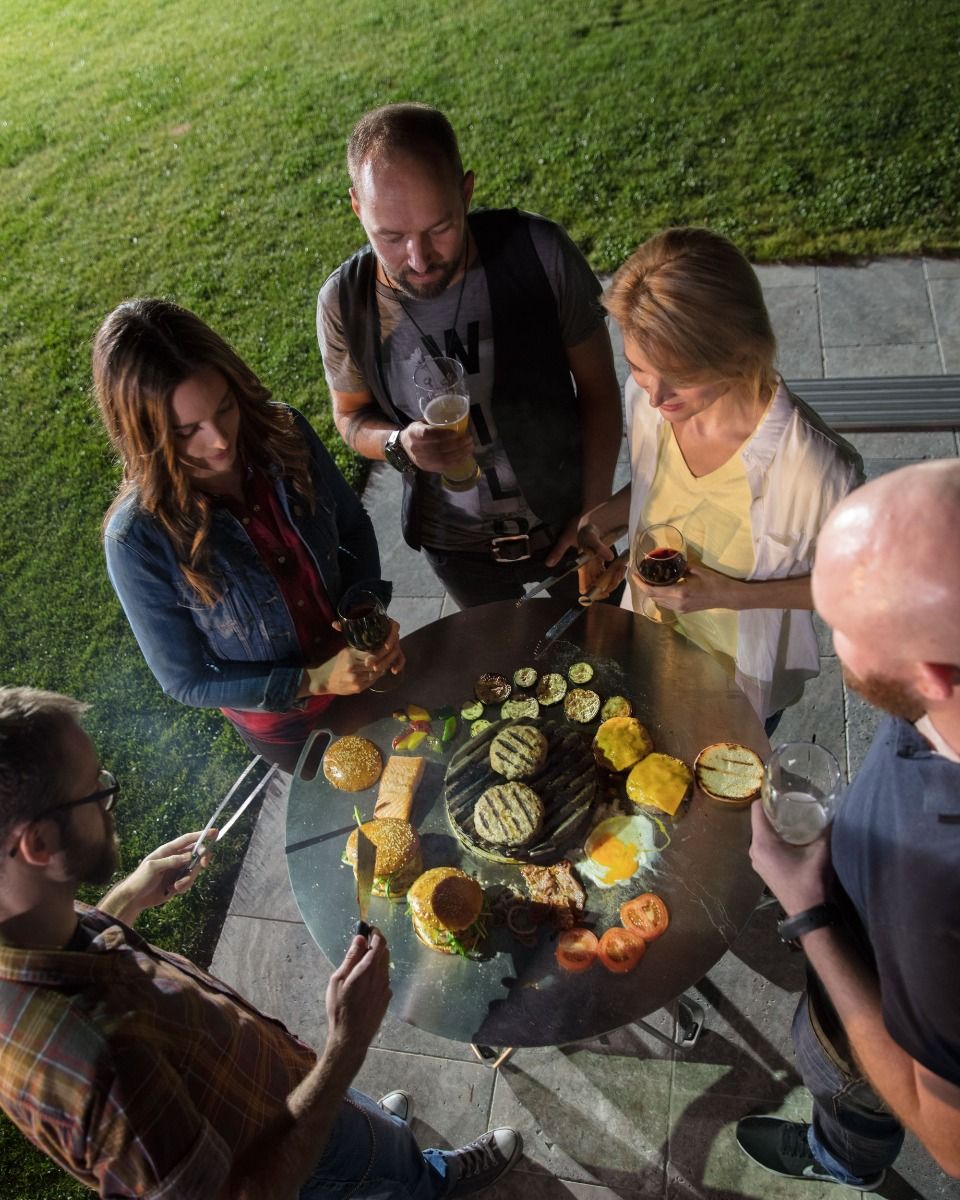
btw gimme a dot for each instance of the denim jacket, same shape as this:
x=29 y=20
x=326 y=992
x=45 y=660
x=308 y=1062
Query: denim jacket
x=242 y=651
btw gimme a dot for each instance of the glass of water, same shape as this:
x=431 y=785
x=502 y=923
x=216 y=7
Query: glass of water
x=801 y=789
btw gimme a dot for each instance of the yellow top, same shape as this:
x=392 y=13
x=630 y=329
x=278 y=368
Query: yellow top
x=713 y=514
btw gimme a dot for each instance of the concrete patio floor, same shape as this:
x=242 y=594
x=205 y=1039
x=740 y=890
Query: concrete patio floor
x=626 y=1116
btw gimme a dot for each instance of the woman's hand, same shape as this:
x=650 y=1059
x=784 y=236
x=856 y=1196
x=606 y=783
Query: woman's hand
x=351 y=671
x=699 y=589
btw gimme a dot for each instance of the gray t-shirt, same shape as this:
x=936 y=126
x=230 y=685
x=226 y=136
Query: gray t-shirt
x=415 y=329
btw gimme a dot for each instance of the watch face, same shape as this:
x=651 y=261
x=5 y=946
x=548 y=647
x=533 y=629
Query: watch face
x=395 y=454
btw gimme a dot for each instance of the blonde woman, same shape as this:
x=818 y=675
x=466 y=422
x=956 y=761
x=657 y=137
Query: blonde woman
x=233 y=536
x=722 y=450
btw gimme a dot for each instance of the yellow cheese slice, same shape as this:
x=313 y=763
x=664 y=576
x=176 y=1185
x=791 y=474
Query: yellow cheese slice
x=660 y=780
x=620 y=742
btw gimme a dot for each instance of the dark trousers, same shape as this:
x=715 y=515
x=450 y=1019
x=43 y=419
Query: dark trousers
x=475 y=579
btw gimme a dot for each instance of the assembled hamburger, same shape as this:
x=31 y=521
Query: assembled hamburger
x=398 y=855
x=445 y=906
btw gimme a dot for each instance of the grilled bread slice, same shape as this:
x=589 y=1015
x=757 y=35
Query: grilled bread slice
x=508 y=814
x=518 y=752
x=728 y=771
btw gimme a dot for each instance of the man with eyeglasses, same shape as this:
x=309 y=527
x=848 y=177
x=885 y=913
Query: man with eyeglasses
x=139 y=1073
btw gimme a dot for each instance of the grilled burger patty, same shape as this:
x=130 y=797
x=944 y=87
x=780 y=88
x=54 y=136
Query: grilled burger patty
x=508 y=814
x=518 y=752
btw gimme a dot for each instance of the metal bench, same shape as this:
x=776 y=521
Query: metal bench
x=891 y=404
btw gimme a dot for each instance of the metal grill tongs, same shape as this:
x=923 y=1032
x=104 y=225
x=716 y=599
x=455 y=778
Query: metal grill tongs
x=611 y=536
x=568 y=618
x=199 y=845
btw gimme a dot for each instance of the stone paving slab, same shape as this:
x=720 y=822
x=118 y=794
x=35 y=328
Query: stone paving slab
x=263 y=888
x=594 y=1118
x=820 y=714
x=413 y=612
x=885 y=303
x=908 y=446
x=777 y=275
x=950 y=348
x=863 y=361
x=945 y=301
x=795 y=316
x=942 y=268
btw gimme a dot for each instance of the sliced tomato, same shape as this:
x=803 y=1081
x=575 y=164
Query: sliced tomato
x=620 y=950
x=577 y=949
x=646 y=915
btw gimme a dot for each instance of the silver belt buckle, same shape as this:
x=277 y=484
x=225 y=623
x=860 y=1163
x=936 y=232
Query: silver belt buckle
x=502 y=555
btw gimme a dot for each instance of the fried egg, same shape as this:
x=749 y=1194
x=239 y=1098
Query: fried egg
x=617 y=848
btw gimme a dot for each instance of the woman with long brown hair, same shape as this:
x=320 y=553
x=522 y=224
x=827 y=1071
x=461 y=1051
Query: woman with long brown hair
x=233 y=536
x=724 y=452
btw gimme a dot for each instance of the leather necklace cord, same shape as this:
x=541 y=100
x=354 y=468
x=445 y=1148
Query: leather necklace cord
x=463 y=283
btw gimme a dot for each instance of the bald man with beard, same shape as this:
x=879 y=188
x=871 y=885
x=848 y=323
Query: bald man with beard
x=875 y=902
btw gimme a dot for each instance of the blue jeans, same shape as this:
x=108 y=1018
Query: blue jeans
x=372 y=1155
x=853 y=1134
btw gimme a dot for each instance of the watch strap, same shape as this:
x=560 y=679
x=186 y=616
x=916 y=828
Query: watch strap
x=791 y=928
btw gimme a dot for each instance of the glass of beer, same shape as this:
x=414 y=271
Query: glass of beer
x=659 y=557
x=801 y=789
x=445 y=404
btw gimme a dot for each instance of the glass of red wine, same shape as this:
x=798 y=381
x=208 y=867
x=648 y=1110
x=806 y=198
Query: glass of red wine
x=365 y=624
x=659 y=558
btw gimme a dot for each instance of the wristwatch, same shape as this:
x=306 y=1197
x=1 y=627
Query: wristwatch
x=395 y=454
x=791 y=928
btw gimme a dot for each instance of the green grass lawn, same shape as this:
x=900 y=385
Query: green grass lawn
x=196 y=151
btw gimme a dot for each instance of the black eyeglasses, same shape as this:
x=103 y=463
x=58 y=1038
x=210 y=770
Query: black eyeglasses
x=107 y=792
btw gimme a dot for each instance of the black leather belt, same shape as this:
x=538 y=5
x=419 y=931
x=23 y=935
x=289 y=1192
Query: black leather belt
x=519 y=547
x=508 y=548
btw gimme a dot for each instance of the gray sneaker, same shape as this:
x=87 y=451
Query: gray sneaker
x=782 y=1147
x=398 y=1104
x=482 y=1162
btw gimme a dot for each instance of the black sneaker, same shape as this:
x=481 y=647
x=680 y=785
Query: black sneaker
x=398 y=1104
x=482 y=1162
x=781 y=1147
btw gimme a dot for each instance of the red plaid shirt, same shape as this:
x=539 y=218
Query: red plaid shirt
x=298 y=580
x=133 y=1069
